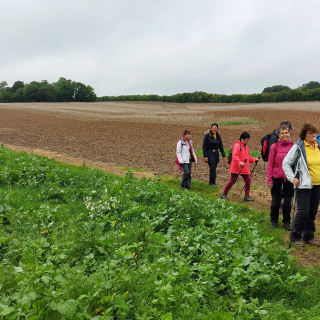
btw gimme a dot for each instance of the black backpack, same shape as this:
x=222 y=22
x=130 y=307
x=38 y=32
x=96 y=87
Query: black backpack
x=266 y=142
x=230 y=154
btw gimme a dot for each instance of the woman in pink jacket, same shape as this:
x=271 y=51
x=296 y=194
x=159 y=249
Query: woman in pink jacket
x=240 y=152
x=276 y=179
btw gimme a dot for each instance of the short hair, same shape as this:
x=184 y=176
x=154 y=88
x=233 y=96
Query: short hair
x=244 y=135
x=305 y=128
x=283 y=127
x=185 y=132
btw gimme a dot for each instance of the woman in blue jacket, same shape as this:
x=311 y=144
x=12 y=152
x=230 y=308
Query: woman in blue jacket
x=212 y=143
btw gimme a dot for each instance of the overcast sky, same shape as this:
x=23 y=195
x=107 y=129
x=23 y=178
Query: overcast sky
x=162 y=46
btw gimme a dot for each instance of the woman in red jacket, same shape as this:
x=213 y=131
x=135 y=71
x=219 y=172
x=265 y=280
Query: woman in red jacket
x=240 y=153
x=276 y=178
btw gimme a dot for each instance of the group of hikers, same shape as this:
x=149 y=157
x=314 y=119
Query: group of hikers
x=293 y=173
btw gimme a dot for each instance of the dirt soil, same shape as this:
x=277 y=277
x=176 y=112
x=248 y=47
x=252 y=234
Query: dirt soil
x=143 y=135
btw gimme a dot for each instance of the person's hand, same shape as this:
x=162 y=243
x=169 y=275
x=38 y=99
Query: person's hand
x=270 y=185
x=296 y=182
x=224 y=159
x=206 y=159
x=242 y=164
x=257 y=160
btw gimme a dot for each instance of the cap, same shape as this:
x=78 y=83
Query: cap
x=287 y=123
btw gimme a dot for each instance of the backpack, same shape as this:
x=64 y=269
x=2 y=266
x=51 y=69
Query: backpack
x=229 y=159
x=266 y=142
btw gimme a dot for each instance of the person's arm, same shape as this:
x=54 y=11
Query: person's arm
x=223 y=154
x=271 y=160
x=179 y=151
x=288 y=161
x=204 y=147
x=236 y=154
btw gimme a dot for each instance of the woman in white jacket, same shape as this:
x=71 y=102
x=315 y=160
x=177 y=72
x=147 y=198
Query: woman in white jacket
x=186 y=156
x=304 y=156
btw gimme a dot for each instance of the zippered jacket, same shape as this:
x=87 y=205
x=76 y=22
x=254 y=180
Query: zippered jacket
x=239 y=156
x=183 y=152
x=297 y=157
x=211 y=147
x=277 y=153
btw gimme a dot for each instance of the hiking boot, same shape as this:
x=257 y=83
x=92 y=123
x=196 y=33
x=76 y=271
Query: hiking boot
x=299 y=243
x=189 y=188
x=213 y=185
x=224 y=197
x=182 y=188
x=247 y=198
x=273 y=225
x=287 y=226
x=312 y=242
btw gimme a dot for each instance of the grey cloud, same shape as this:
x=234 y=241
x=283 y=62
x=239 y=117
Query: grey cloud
x=162 y=47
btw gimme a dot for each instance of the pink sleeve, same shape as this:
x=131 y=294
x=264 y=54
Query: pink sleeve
x=271 y=159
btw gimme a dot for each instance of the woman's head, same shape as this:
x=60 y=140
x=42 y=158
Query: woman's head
x=244 y=137
x=308 y=132
x=186 y=134
x=214 y=127
x=284 y=132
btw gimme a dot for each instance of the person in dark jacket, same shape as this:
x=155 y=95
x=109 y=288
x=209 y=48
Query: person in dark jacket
x=212 y=143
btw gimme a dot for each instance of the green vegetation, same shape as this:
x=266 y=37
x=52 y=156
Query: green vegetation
x=76 y=243
x=253 y=153
x=62 y=91
x=231 y=123
x=279 y=93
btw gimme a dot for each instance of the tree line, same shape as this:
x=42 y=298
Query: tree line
x=61 y=91
x=277 y=93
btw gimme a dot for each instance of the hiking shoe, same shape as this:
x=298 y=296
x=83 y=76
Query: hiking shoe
x=273 y=225
x=312 y=243
x=224 y=197
x=213 y=185
x=189 y=188
x=287 y=226
x=299 y=243
x=247 y=198
x=182 y=188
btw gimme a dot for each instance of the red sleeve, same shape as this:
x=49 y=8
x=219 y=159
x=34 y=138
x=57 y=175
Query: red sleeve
x=236 y=154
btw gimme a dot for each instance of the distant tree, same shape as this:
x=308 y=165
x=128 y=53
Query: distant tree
x=64 y=90
x=310 y=85
x=3 y=84
x=17 y=85
x=276 y=88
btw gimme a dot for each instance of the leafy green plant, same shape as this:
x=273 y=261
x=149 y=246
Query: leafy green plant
x=76 y=243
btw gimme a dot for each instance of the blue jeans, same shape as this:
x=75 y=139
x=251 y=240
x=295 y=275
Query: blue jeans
x=186 y=177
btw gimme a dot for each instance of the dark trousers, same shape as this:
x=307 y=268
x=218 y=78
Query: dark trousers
x=213 y=173
x=281 y=189
x=186 y=177
x=247 y=181
x=307 y=202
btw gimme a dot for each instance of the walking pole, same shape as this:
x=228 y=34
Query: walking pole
x=235 y=179
x=250 y=175
x=294 y=208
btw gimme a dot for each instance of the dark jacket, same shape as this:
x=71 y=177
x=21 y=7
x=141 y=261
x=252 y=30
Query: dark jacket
x=211 y=147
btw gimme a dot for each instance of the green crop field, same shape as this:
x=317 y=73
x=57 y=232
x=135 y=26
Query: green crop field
x=77 y=243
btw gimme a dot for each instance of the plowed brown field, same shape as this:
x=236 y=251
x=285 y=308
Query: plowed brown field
x=143 y=135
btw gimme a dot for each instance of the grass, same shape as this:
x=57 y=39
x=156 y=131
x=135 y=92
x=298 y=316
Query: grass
x=231 y=123
x=133 y=169
x=77 y=243
x=253 y=153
